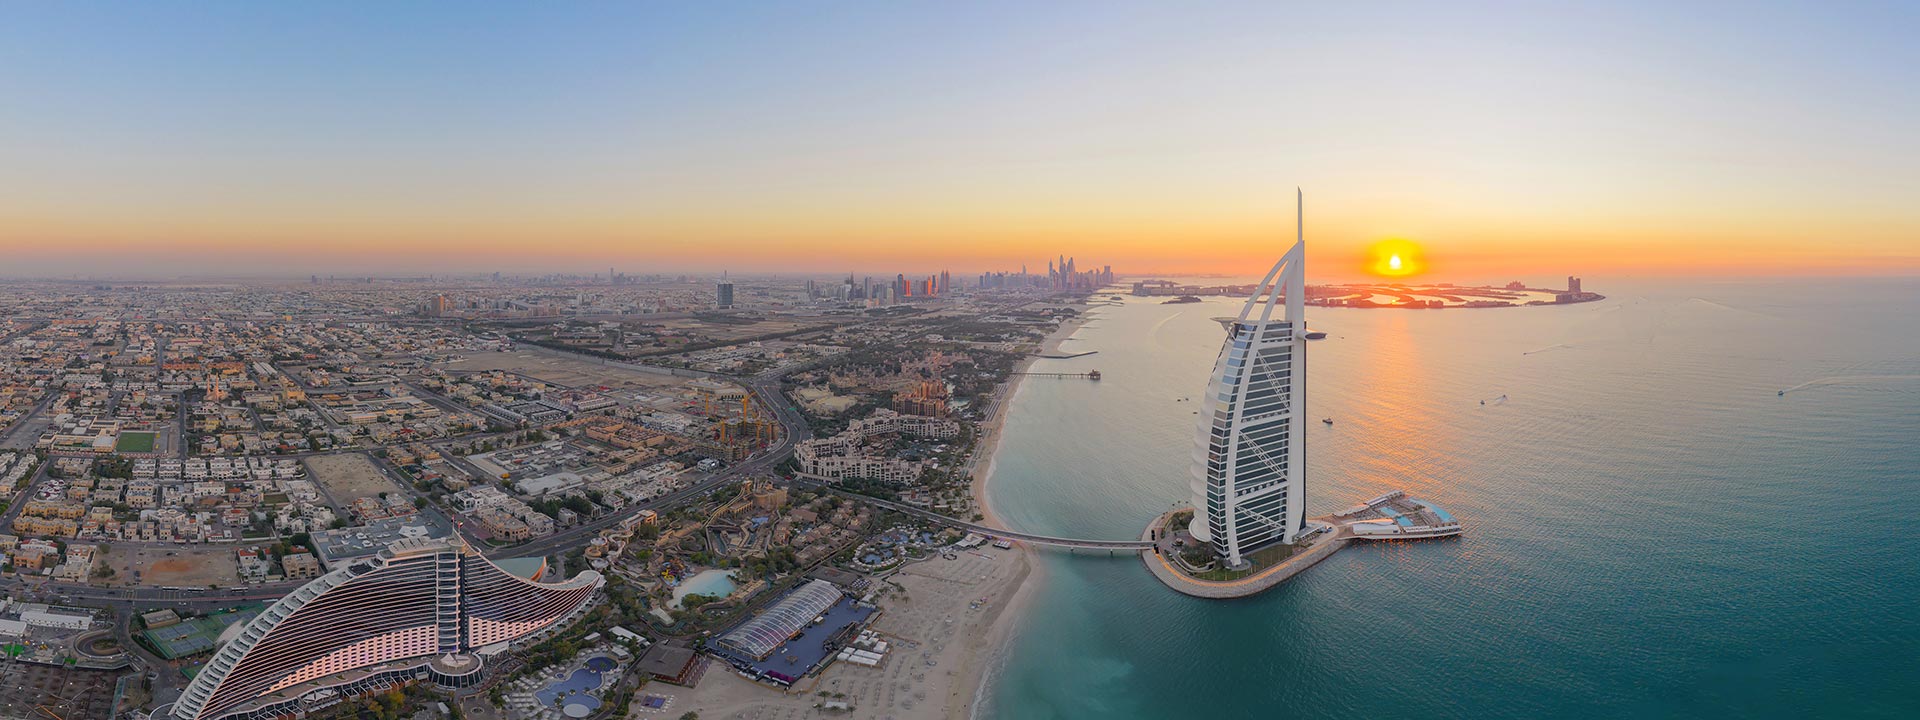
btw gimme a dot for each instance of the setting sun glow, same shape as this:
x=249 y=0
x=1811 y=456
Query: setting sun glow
x=1394 y=258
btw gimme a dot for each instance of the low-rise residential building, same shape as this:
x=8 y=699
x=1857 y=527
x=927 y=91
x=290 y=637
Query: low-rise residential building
x=300 y=565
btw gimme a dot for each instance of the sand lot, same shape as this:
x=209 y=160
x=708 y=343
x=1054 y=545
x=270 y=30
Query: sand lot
x=349 y=477
x=181 y=566
x=824 y=402
x=564 y=370
x=729 y=332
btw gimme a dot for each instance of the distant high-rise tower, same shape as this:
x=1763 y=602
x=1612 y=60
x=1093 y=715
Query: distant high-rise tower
x=723 y=293
x=1573 y=284
x=1249 y=475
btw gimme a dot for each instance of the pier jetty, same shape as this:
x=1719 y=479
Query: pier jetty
x=1090 y=374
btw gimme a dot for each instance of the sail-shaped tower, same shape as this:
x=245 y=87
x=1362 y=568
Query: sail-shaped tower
x=1249 y=473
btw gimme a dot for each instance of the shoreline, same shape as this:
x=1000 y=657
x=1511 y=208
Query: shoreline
x=985 y=664
x=1254 y=584
x=988 y=448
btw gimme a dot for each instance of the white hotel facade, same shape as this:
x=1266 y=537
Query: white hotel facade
x=1249 y=474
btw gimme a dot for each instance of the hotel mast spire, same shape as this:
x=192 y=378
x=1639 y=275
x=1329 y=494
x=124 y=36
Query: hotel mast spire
x=1249 y=477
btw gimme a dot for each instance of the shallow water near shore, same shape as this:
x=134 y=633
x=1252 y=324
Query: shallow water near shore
x=1652 y=530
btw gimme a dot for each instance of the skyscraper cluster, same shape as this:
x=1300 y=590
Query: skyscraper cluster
x=884 y=292
x=1062 y=275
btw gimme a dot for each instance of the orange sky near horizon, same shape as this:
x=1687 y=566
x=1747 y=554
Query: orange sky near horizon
x=1517 y=142
x=1134 y=240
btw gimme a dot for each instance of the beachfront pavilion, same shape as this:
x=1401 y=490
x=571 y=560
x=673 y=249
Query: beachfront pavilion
x=759 y=637
x=808 y=649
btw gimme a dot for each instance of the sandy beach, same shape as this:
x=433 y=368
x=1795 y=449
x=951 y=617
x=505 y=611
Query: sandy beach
x=943 y=620
x=1005 y=616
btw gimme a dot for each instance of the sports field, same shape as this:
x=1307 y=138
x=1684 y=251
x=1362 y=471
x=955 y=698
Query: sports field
x=196 y=635
x=134 y=442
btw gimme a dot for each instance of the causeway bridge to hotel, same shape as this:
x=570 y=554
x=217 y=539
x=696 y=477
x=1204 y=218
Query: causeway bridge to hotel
x=1046 y=540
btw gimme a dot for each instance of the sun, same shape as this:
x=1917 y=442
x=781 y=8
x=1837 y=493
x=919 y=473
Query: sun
x=1395 y=258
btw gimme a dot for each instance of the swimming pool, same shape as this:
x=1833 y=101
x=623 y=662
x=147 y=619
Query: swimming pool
x=1445 y=516
x=574 y=689
x=712 y=583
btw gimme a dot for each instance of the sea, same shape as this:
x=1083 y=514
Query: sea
x=1653 y=529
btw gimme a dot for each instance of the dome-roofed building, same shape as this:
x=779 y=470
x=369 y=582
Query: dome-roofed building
x=760 y=636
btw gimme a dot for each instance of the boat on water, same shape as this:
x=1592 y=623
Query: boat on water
x=1182 y=300
x=1328 y=421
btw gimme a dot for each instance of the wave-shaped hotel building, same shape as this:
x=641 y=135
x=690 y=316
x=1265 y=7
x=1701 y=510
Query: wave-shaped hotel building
x=422 y=609
x=1249 y=474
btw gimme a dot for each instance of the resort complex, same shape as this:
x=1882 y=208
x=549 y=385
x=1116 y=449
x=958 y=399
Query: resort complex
x=1247 y=530
x=421 y=605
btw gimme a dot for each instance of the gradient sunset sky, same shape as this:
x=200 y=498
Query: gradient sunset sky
x=1525 y=140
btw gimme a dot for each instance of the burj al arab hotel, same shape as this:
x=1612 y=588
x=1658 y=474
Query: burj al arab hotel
x=1249 y=474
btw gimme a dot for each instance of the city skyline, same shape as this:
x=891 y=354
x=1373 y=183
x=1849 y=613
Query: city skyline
x=246 y=140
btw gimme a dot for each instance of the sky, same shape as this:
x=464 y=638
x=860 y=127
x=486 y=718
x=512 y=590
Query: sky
x=1504 y=140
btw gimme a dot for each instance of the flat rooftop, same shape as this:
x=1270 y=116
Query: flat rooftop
x=352 y=543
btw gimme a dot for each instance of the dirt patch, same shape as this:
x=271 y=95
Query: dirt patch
x=824 y=402
x=162 y=566
x=564 y=370
x=349 y=477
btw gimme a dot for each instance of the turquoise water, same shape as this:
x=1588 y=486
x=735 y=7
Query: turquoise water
x=712 y=582
x=1652 y=531
x=574 y=689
